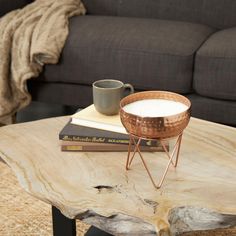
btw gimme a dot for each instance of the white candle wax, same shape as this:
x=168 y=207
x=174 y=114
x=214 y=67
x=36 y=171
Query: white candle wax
x=155 y=108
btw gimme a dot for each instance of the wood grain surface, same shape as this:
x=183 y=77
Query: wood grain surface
x=197 y=198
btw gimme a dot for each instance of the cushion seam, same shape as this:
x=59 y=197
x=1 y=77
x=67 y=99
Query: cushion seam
x=141 y=51
x=218 y=57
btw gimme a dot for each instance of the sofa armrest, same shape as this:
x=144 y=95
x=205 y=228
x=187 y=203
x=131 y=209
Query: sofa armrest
x=9 y=5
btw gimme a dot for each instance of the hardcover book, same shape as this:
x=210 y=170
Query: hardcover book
x=72 y=132
x=104 y=147
x=89 y=117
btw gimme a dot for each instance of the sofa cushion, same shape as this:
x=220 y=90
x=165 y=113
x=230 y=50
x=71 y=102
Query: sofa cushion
x=215 y=66
x=148 y=53
x=215 y=13
x=216 y=110
x=102 y=7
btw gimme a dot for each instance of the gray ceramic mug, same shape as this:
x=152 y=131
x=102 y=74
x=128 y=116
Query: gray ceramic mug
x=107 y=94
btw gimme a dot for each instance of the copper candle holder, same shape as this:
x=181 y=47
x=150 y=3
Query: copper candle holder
x=155 y=128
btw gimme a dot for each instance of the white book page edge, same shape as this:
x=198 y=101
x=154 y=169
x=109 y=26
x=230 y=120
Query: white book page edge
x=98 y=125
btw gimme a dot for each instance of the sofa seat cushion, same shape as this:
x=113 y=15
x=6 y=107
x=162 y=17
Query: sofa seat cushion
x=215 y=66
x=148 y=53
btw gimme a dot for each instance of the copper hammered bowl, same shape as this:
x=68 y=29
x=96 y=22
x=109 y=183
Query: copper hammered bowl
x=155 y=127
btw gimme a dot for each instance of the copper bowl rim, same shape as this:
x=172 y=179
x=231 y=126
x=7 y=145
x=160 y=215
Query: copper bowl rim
x=188 y=103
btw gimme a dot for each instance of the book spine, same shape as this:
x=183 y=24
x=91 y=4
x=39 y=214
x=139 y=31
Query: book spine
x=122 y=148
x=152 y=143
x=93 y=139
x=76 y=148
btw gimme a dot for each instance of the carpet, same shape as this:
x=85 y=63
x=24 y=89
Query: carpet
x=20 y=213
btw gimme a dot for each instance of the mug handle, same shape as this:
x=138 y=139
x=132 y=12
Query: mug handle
x=130 y=87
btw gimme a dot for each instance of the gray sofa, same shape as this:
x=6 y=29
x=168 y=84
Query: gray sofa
x=184 y=46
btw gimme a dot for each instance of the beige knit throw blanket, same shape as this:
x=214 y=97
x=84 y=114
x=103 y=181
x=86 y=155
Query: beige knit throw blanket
x=30 y=38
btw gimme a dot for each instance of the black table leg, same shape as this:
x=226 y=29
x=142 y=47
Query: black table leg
x=62 y=225
x=93 y=231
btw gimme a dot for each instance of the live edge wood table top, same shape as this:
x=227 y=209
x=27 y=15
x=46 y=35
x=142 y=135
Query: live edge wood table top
x=197 y=198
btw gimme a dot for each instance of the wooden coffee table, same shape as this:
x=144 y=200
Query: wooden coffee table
x=197 y=198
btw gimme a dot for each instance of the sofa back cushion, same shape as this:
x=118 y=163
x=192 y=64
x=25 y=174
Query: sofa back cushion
x=9 y=5
x=215 y=13
x=102 y=7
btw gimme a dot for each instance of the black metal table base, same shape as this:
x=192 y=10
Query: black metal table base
x=93 y=231
x=64 y=226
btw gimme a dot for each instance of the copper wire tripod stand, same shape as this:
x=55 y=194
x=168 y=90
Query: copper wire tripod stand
x=173 y=157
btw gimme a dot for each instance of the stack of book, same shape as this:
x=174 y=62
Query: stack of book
x=89 y=130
